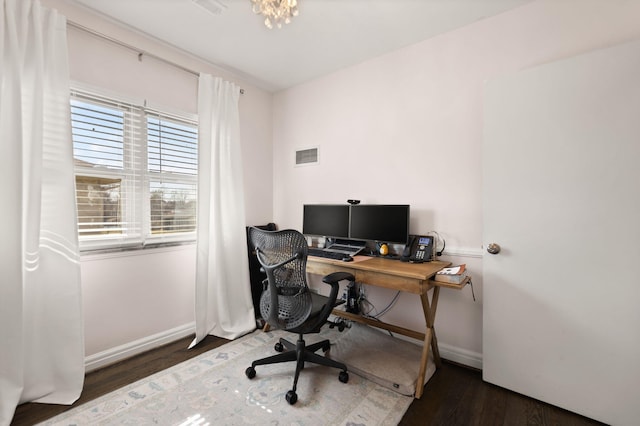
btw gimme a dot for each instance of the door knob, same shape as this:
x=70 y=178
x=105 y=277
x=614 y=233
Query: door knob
x=493 y=248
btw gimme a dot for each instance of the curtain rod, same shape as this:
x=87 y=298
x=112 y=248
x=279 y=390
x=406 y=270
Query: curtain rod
x=140 y=52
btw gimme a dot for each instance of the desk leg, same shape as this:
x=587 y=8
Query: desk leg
x=431 y=319
x=430 y=339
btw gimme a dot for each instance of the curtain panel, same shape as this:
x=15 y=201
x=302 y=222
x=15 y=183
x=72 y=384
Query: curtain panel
x=224 y=305
x=41 y=333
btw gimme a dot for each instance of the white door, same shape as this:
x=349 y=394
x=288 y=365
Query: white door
x=561 y=182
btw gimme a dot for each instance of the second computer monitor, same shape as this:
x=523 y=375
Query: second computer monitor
x=380 y=222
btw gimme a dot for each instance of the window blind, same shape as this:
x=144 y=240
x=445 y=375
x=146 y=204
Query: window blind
x=107 y=167
x=136 y=173
x=172 y=166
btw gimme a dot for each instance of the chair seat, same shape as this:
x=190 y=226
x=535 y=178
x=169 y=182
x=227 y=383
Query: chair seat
x=319 y=301
x=311 y=325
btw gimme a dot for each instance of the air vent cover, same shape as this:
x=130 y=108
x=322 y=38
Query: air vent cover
x=216 y=7
x=306 y=157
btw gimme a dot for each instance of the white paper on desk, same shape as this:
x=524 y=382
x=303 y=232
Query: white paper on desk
x=454 y=270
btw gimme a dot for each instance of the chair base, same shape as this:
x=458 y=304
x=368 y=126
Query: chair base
x=300 y=353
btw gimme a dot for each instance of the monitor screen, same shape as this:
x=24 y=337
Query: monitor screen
x=380 y=222
x=326 y=220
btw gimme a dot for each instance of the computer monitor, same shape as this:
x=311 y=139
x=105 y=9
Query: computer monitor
x=380 y=222
x=326 y=220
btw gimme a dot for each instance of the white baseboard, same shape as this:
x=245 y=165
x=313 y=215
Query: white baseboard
x=451 y=353
x=461 y=356
x=110 y=356
x=104 y=358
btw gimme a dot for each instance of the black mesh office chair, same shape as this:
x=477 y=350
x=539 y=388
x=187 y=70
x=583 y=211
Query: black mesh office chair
x=286 y=302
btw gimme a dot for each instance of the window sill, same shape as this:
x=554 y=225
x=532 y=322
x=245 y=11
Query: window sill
x=104 y=253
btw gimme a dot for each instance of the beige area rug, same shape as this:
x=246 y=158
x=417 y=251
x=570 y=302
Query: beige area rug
x=212 y=389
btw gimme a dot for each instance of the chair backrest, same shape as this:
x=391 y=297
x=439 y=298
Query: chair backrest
x=286 y=302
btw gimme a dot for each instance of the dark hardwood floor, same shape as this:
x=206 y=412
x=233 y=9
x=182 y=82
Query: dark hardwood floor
x=455 y=395
x=112 y=377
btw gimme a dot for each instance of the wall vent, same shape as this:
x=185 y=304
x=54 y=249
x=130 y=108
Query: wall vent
x=305 y=157
x=216 y=7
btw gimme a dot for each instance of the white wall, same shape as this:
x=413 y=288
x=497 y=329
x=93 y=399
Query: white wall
x=136 y=300
x=407 y=126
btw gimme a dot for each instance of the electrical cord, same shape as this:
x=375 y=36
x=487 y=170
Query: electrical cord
x=472 y=292
x=444 y=243
x=382 y=312
x=390 y=305
x=373 y=317
x=364 y=301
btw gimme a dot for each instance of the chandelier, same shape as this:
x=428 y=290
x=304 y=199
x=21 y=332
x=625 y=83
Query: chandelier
x=275 y=11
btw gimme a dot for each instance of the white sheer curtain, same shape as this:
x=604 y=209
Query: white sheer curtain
x=224 y=305
x=41 y=334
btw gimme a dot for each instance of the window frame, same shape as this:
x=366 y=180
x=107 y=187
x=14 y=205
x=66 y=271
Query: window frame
x=135 y=174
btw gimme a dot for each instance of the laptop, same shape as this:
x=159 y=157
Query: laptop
x=348 y=247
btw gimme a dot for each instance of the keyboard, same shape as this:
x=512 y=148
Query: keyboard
x=314 y=251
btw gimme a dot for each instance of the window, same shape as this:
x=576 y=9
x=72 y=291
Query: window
x=136 y=173
x=173 y=166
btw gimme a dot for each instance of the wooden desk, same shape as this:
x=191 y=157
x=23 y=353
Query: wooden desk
x=394 y=274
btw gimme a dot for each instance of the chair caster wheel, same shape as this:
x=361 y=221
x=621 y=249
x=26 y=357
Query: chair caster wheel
x=250 y=372
x=343 y=377
x=278 y=347
x=291 y=397
x=341 y=327
x=326 y=347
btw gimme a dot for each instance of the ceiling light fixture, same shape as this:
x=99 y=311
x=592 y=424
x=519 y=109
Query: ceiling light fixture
x=275 y=11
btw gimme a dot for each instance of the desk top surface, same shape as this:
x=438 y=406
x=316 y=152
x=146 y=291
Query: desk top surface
x=417 y=271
